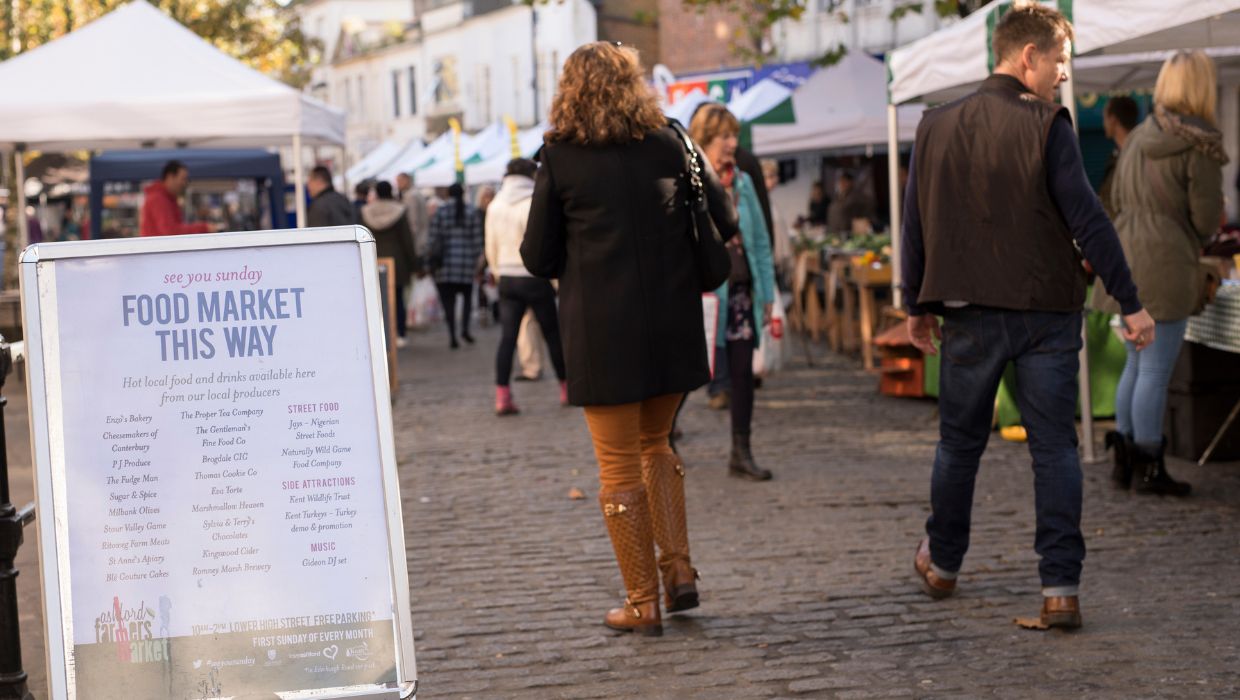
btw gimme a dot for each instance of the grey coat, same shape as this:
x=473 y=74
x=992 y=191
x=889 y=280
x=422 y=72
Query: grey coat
x=1168 y=195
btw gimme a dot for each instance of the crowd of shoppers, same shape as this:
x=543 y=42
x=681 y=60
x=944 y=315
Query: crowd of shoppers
x=986 y=286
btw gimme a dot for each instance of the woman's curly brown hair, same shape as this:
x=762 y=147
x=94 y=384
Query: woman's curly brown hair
x=603 y=98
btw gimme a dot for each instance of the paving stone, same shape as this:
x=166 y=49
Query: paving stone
x=807 y=587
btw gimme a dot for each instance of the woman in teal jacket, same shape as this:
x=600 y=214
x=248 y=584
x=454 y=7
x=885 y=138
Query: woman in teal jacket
x=745 y=299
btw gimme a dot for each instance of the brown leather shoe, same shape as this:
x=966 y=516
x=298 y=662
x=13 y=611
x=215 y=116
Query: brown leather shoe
x=1061 y=611
x=627 y=514
x=934 y=586
x=664 y=477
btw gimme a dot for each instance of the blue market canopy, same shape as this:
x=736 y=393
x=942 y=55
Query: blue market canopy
x=203 y=164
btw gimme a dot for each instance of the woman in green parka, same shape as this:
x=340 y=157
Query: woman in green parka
x=1169 y=199
x=745 y=299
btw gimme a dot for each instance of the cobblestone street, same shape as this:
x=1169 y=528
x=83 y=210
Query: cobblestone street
x=807 y=580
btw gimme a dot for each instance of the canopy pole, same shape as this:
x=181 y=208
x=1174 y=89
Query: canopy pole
x=1067 y=95
x=893 y=185
x=299 y=182
x=23 y=226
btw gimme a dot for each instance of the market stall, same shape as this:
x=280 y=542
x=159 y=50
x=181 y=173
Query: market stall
x=377 y=159
x=252 y=180
x=135 y=78
x=1111 y=34
x=839 y=106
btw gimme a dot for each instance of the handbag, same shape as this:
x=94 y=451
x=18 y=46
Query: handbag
x=714 y=265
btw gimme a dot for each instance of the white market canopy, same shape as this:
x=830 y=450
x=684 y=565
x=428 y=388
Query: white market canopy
x=417 y=156
x=492 y=169
x=378 y=158
x=841 y=106
x=135 y=77
x=949 y=62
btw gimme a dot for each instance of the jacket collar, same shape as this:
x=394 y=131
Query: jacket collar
x=1001 y=82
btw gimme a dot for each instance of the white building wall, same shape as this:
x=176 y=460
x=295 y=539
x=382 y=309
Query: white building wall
x=859 y=25
x=323 y=19
x=493 y=60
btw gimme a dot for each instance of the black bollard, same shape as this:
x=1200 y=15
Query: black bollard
x=12 y=677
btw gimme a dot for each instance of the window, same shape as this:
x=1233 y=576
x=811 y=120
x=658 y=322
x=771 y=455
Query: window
x=348 y=94
x=395 y=93
x=447 y=87
x=361 y=96
x=413 y=91
x=484 y=92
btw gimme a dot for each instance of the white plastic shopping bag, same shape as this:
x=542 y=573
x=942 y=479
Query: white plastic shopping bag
x=768 y=357
x=710 y=318
x=424 y=308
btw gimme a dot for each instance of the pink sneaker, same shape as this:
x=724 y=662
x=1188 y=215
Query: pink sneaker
x=503 y=402
x=563 y=393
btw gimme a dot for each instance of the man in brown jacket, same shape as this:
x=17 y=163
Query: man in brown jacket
x=996 y=207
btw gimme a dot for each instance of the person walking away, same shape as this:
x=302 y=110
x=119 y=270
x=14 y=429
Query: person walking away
x=519 y=291
x=362 y=194
x=819 y=203
x=456 y=241
x=327 y=206
x=1168 y=199
x=415 y=207
x=745 y=299
x=488 y=292
x=1119 y=118
x=781 y=240
x=608 y=220
x=161 y=214
x=994 y=255
x=387 y=220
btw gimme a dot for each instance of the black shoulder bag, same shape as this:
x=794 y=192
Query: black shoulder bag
x=714 y=265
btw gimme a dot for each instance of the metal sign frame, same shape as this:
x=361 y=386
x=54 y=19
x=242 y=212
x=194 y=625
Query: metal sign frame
x=46 y=391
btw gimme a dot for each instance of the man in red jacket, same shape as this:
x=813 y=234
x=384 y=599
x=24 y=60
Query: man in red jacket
x=161 y=215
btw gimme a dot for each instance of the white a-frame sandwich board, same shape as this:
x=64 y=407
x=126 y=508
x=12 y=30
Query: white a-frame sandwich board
x=219 y=511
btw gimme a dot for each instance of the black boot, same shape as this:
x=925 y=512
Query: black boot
x=741 y=463
x=1150 y=470
x=1121 y=457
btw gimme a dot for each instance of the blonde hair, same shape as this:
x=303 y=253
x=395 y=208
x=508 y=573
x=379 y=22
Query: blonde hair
x=1188 y=85
x=712 y=121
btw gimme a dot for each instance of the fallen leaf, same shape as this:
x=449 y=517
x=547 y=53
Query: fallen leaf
x=576 y=494
x=1031 y=623
x=576 y=472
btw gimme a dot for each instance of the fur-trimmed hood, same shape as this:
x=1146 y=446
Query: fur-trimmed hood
x=1177 y=133
x=382 y=213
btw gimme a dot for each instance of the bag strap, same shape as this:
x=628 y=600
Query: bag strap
x=693 y=162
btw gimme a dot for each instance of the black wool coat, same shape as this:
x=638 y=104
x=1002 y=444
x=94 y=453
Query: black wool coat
x=611 y=223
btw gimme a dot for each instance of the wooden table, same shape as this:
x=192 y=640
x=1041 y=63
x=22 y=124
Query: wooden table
x=865 y=282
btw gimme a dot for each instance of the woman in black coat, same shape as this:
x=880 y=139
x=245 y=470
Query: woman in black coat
x=609 y=219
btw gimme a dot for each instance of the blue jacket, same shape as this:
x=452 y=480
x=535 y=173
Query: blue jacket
x=761 y=264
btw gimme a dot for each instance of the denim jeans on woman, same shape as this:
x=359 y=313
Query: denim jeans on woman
x=1141 y=396
x=978 y=343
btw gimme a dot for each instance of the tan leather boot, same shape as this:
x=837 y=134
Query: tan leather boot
x=627 y=515
x=664 y=476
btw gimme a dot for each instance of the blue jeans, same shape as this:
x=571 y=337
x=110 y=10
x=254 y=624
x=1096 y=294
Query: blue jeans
x=1141 y=396
x=978 y=343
